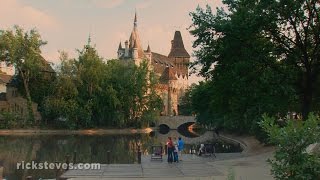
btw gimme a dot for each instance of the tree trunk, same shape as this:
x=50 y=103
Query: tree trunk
x=29 y=101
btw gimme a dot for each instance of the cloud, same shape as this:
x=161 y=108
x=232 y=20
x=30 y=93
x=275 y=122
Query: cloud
x=109 y=4
x=14 y=13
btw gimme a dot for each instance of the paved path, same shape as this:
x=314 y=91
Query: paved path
x=192 y=167
x=249 y=165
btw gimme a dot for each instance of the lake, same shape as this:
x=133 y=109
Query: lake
x=89 y=149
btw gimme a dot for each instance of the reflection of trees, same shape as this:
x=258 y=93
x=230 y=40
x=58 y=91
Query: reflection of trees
x=54 y=148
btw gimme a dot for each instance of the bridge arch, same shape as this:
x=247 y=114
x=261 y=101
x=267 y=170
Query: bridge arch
x=173 y=122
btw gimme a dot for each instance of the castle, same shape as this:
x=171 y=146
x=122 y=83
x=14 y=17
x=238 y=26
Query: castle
x=172 y=70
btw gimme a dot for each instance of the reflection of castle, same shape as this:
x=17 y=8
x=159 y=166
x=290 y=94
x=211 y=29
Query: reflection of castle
x=172 y=70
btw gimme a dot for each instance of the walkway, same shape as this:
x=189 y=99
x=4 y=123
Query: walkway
x=191 y=165
x=249 y=165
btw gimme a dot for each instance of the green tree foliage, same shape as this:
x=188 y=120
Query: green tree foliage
x=291 y=160
x=201 y=106
x=89 y=93
x=293 y=27
x=185 y=107
x=246 y=81
x=22 y=49
x=248 y=68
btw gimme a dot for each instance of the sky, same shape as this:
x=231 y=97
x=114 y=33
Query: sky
x=66 y=24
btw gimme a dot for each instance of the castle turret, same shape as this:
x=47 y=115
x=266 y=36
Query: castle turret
x=126 y=49
x=149 y=49
x=120 y=46
x=148 y=53
x=177 y=47
x=120 y=50
x=135 y=39
x=179 y=55
x=135 y=51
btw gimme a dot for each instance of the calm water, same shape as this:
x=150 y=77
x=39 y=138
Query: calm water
x=54 y=148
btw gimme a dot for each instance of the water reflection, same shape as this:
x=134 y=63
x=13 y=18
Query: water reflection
x=89 y=148
x=55 y=148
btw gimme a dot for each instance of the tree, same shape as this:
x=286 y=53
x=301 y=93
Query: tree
x=243 y=79
x=61 y=108
x=185 y=106
x=22 y=49
x=294 y=29
x=89 y=92
x=281 y=36
x=291 y=161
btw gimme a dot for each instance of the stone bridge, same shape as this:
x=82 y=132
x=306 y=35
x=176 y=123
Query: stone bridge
x=173 y=122
x=162 y=138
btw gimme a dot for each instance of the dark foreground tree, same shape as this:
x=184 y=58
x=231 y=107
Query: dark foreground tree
x=252 y=60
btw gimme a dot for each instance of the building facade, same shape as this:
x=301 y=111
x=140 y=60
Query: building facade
x=171 y=69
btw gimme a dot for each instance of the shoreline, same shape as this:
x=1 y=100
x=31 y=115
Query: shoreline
x=17 y=132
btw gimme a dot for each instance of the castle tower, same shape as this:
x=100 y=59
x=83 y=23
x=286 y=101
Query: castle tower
x=172 y=70
x=181 y=58
x=179 y=55
x=137 y=52
x=171 y=105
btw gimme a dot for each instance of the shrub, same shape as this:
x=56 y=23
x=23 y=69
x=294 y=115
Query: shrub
x=291 y=161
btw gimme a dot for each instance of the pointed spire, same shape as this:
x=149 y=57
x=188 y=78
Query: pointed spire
x=135 y=19
x=148 y=49
x=120 y=46
x=177 y=47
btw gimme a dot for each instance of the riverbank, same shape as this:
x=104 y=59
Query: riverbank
x=17 y=132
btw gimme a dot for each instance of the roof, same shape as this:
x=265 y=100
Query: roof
x=120 y=46
x=177 y=47
x=46 y=67
x=148 y=49
x=160 y=62
x=167 y=75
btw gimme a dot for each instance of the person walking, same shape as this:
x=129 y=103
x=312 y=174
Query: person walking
x=180 y=147
x=170 y=149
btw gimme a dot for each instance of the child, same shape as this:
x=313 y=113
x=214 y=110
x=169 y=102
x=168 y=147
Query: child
x=175 y=151
x=201 y=150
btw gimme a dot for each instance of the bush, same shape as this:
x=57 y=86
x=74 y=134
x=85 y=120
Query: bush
x=291 y=161
x=10 y=120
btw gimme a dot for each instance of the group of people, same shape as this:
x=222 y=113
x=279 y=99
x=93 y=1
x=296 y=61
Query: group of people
x=174 y=148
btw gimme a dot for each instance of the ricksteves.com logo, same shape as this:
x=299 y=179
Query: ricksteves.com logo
x=57 y=165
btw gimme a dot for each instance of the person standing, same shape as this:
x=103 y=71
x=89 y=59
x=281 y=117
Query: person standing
x=170 y=149
x=180 y=147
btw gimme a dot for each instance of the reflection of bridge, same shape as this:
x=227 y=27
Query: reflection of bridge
x=173 y=122
x=209 y=135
